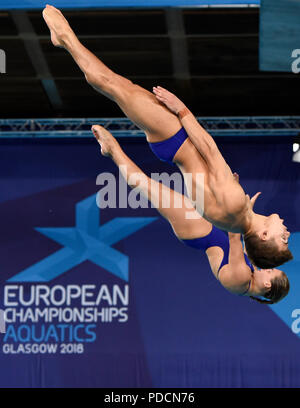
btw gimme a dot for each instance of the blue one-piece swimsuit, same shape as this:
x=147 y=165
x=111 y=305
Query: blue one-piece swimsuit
x=166 y=151
x=216 y=238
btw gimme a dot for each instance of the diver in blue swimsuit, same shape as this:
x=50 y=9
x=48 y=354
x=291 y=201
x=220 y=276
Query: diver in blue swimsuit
x=225 y=253
x=176 y=136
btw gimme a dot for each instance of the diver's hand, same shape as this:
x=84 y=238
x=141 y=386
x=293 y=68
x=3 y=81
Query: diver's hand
x=171 y=101
x=253 y=199
x=236 y=177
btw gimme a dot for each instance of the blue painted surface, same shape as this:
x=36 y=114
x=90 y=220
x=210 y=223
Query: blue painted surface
x=183 y=328
x=36 y=4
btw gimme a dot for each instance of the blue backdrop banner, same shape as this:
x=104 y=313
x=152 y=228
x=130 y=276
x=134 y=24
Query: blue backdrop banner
x=110 y=297
x=32 y=4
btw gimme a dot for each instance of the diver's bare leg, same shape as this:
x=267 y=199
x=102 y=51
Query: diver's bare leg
x=138 y=104
x=184 y=226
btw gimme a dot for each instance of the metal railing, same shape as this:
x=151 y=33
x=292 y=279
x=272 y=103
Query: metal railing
x=123 y=127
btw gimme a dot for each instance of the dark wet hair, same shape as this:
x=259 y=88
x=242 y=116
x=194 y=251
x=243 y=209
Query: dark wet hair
x=265 y=254
x=280 y=287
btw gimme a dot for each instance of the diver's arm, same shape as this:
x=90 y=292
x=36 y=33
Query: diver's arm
x=238 y=273
x=202 y=140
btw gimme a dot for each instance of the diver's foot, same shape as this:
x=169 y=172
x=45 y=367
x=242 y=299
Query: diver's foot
x=59 y=27
x=108 y=143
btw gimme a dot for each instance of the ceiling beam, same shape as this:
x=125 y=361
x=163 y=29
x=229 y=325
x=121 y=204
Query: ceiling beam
x=37 y=57
x=139 y=36
x=266 y=76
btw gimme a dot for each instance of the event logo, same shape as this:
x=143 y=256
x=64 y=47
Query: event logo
x=86 y=241
x=56 y=318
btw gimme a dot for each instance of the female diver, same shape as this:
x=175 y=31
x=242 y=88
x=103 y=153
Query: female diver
x=228 y=262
